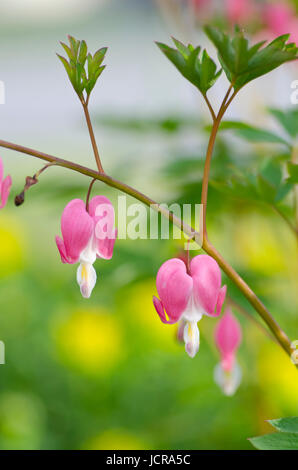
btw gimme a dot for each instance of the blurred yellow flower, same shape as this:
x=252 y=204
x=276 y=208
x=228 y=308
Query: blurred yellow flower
x=89 y=340
x=11 y=248
x=259 y=244
x=116 y=439
x=278 y=378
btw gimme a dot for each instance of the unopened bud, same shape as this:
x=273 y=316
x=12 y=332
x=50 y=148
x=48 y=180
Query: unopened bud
x=19 y=199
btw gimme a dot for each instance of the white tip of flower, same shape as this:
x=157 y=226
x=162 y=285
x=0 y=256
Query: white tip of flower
x=191 y=338
x=86 y=278
x=228 y=381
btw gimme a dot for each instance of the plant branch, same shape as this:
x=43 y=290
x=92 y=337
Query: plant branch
x=88 y=193
x=91 y=133
x=209 y=106
x=278 y=333
x=209 y=153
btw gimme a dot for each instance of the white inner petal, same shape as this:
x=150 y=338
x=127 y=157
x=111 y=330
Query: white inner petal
x=88 y=255
x=228 y=381
x=86 y=277
x=192 y=313
x=191 y=338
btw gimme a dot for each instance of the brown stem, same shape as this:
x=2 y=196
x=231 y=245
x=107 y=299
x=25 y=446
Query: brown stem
x=88 y=193
x=39 y=172
x=278 y=333
x=209 y=153
x=209 y=107
x=92 y=136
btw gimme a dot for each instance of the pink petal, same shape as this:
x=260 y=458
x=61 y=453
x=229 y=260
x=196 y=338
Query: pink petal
x=227 y=338
x=206 y=282
x=278 y=17
x=103 y=214
x=1 y=169
x=105 y=247
x=174 y=287
x=5 y=189
x=238 y=10
x=160 y=310
x=220 y=300
x=77 y=229
x=62 y=251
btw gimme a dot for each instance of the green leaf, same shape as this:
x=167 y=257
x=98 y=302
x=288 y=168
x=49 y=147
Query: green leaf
x=67 y=50
x=243 y=63
x=285 y=424
x=288 y=119
x=83 y=53
x=266 y=189
x=253 y=134
x=276 y=441
x=69 y=69
x=293 y=172
x=283 y=190
x=74 y=45
x=266 y=186
x=195 y=66
x=77 y=52
x=99 y=56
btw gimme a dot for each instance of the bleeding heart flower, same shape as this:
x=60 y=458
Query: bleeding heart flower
x=87 y=235
x=5 y=186
x=188 y=296
x=227 y=373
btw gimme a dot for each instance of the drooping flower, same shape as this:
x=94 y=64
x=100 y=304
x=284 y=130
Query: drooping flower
x=87 y=235
x=5 y=185
x=227 y=374
x=186 y=297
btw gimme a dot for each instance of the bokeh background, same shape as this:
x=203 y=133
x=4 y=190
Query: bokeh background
x=106 y=373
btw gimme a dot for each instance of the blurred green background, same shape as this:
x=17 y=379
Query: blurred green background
x=105 y=373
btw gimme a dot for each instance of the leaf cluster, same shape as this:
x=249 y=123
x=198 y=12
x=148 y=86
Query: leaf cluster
x=83 y=68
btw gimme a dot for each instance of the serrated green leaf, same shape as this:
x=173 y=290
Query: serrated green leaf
x=198 y=68
x=243 y=63
x=276 y=441
x=99 y=56
x=293 y=172
x=74 y=46
x=253 y=134
x=288 y=119
x=91 y=82
x=266 y=190
x=181 y=47
x=285 y=424
x=75 y=68
x=271 y=171
x=68 y=68
x=83 y=53
x=283 y=190
x=67 y=50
